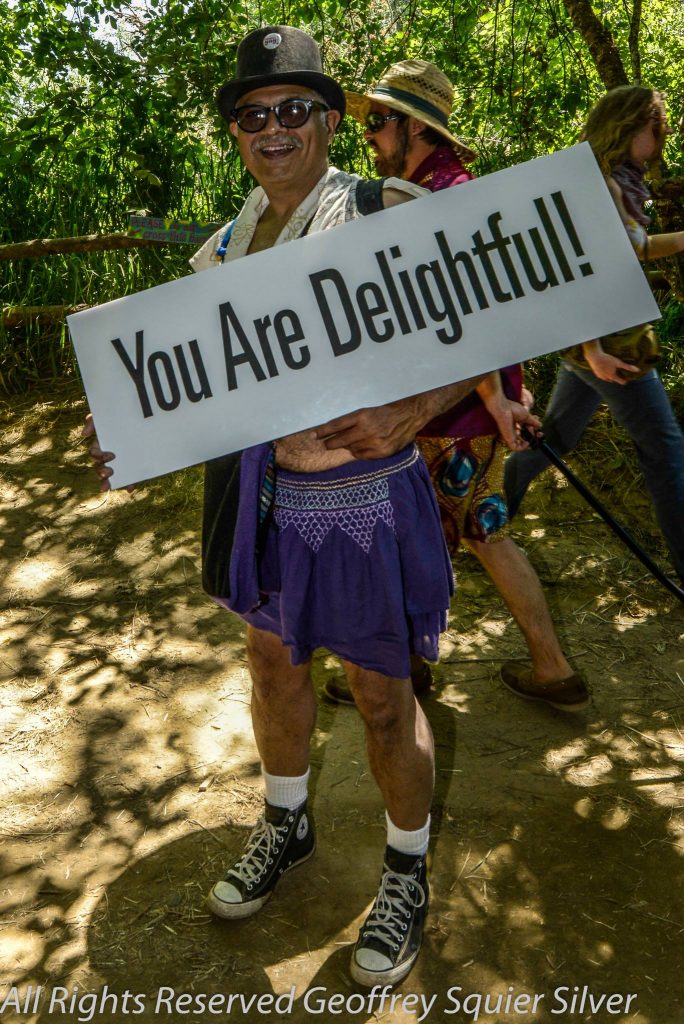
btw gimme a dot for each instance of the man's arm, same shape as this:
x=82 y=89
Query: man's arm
x=383 y=430
x=395 y=197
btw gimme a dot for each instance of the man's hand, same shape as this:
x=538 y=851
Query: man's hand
x=373 y=433
x=99 y=457
x=382 y=430
x=509 y=417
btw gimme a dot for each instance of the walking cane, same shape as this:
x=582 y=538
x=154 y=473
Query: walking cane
x=617 y=528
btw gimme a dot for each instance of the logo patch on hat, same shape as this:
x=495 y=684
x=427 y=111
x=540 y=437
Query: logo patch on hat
x=272 y=41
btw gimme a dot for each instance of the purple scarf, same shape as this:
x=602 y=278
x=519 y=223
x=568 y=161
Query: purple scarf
x=630 y=177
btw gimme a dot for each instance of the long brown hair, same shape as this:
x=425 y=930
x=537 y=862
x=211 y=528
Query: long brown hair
x=615 y=120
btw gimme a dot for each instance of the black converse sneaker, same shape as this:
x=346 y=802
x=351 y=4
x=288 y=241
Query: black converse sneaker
x=280 y=840
x=389 y=941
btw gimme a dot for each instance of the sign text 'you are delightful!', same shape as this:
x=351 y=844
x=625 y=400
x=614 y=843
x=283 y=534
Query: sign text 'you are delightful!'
x=437 y=290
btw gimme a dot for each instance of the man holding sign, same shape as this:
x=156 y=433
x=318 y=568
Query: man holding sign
x=351 y=554
x=330 y=537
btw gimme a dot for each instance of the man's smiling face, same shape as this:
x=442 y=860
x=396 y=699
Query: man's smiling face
x=278 y=156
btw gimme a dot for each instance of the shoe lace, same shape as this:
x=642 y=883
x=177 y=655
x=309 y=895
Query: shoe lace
x=263 y=841
x=388 y=918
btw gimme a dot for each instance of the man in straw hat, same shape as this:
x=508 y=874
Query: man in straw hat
x=347 y=518
x=406 y=121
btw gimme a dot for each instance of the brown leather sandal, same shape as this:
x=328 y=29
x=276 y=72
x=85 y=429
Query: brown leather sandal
x=568 y=694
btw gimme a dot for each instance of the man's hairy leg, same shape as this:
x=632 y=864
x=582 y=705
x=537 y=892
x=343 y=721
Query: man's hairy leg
x=283 y=705
x=400 y=744
x=518 y=584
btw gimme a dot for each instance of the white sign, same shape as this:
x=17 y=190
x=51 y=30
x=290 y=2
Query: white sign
x=522 y=262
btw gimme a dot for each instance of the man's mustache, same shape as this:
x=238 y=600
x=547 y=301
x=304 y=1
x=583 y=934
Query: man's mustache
x=278 y=140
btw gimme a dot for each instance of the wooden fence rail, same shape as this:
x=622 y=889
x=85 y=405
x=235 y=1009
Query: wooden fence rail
x=79 y=243
x=15 y=316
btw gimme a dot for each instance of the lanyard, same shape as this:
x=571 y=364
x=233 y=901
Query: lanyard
x=221 y=251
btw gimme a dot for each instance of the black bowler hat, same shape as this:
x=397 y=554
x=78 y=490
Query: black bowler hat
x=275 y=54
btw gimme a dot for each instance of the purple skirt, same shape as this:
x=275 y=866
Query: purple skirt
x=355 y=561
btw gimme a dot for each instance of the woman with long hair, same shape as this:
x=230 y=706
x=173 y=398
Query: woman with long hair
x=626 y=130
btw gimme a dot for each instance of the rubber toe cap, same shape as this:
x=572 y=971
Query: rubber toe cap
x=372 y=960
x=226 y=892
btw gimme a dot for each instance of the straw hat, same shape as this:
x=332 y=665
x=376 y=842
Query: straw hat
x=278 y=54
x=416 y=88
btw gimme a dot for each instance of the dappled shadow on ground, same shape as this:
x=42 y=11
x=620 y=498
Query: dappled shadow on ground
x=112 y=695
x=130 y=780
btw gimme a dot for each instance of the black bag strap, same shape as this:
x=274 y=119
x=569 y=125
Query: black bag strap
x=369 y=197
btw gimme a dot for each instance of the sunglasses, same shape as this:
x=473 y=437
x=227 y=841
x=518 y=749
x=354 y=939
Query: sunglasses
x=375 y=122
x=289 y=114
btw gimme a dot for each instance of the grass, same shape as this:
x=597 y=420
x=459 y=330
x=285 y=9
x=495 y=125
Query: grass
x=76 y=200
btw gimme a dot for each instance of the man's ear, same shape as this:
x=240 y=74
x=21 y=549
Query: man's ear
x=232 y=125
x=332 y=120
x=415 y=126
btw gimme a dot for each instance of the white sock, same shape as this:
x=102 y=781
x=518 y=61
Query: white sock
x=287 y=790
x=415 y=842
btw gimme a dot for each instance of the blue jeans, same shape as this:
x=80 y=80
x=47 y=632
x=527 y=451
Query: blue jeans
x=643 y=409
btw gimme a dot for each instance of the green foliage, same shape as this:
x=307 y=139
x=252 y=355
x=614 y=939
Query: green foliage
x=108 y=108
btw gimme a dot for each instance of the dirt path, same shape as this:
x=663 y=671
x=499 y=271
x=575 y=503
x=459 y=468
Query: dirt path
x=130 y=779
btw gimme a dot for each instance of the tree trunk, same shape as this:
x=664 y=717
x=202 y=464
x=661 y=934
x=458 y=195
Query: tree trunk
x=599 y=41
x=634 y=28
